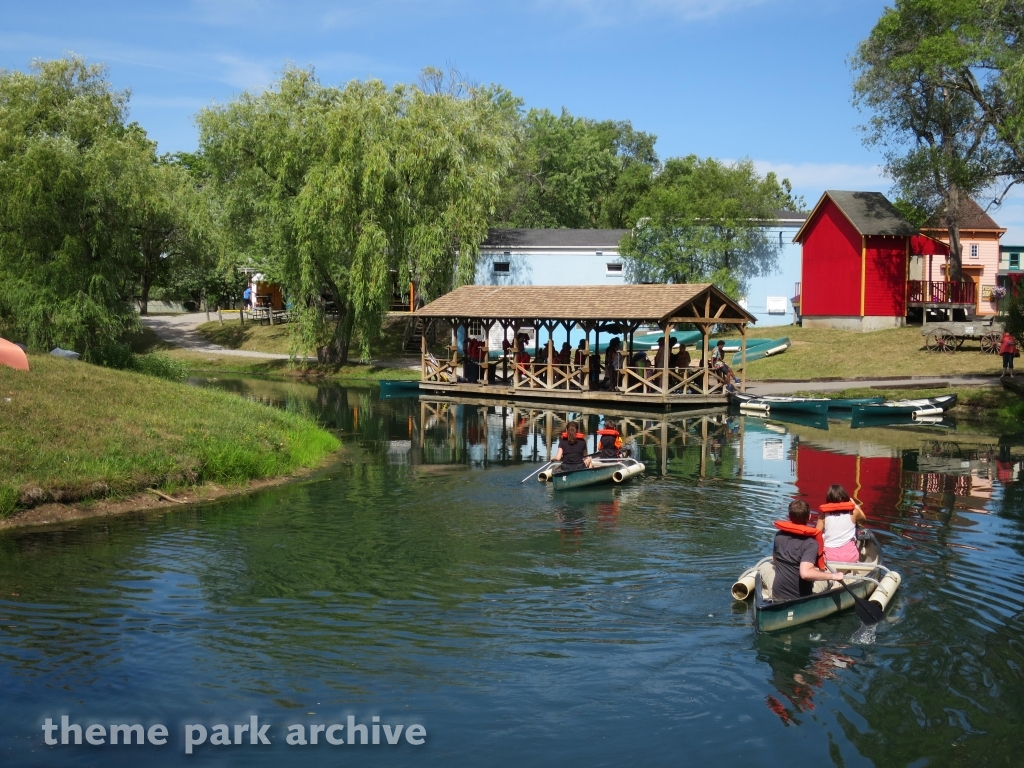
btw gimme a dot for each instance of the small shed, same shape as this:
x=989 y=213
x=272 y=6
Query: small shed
x=855 y=262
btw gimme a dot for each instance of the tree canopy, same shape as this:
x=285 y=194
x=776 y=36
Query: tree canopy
x=576 y=172
x=704 y=220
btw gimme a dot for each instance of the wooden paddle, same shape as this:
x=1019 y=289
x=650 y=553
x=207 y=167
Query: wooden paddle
x=868 y=612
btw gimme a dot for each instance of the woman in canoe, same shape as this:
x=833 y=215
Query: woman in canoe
x=572 y=449
x=609 y=441
x=837 y=521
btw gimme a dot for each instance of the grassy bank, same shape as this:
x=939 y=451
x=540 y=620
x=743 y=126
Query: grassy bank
x=273 y=339
x=361 y=373
x=818 y=353
x=74 y=431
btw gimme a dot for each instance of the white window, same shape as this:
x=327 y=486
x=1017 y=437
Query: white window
x=500 y=266
x=613 y=268
x=974 y=250
x=777 y=305
x=475 y=328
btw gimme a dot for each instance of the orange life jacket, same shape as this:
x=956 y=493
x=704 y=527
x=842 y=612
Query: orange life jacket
x=805 y=530
x=612 y=433
x=838 y=506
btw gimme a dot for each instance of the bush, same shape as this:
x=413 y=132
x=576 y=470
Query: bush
x=159 y=365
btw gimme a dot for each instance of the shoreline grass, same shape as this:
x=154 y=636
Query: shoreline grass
x=75 y=431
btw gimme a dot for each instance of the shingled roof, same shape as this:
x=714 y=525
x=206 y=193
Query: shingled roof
x=598 y=239
x=626 y=303
x=871 y=213
x=972 y=216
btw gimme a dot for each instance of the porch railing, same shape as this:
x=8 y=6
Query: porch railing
x=941 y=292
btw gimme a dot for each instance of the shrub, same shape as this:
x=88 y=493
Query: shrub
x=159 y=365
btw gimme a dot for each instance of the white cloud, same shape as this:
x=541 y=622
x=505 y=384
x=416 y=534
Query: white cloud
x=811 y=179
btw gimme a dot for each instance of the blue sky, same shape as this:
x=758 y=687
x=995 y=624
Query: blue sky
x=765 y=79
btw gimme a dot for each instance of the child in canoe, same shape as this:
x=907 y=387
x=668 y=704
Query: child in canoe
x=837 y=521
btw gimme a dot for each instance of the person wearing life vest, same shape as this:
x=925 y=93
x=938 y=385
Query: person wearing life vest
x=837 y=523
x=572 y=449
x=798 y=555
x=609 y=441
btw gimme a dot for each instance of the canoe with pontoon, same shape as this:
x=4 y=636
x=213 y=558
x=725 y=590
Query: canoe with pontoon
x=601 y=471
x=927 y=406
x=769 y=403
x=773 y=615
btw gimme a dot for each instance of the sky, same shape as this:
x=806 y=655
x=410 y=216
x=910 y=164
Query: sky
x=764 y=79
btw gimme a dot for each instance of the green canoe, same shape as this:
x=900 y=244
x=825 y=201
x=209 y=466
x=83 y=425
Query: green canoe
x=771 y=615
x=614 y=471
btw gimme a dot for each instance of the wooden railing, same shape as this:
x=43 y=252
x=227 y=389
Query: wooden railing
x=564 y=376
x=941 y=292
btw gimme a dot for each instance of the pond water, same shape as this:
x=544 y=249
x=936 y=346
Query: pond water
x=423 y=583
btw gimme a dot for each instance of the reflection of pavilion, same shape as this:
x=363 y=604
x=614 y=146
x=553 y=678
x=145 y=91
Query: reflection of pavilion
x=481 y=430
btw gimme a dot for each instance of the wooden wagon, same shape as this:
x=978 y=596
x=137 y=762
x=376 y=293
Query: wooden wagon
x=950 y=336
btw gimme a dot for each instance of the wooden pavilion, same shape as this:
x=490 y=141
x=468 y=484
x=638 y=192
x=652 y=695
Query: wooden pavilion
x=614 y=309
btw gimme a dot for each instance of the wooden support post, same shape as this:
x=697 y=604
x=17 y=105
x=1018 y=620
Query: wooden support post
x=706 y=355
x=548 y=418
x=664 y=363
x=270 y=310
x=423 y=357
x=206 y=306
x=241 y=314
x=412 y=296
x=551 y=352
x=515 y=360
x=743 y=356
x=664 y=447
x=585 y=384
x=220 y=314
x=455 y=352
x=703 y=446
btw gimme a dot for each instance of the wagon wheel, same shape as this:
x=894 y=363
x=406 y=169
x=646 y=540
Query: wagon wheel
x=940 y=341
x=990 y=342
x=960 y=341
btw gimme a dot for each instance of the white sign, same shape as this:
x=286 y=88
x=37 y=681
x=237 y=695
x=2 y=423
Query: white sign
x=777 y=305
x=772 y=450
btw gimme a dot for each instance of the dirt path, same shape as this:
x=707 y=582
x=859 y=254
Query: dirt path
x=180 y=330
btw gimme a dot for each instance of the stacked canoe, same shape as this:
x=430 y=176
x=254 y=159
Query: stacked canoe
x=819 y=406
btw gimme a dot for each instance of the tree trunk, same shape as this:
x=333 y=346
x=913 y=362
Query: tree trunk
x=335 y=352
x=953 y=222
x=144 y=294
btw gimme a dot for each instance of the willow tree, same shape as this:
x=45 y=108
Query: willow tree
x=337 y=192
x=67 y=251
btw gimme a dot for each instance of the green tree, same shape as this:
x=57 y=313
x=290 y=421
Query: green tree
x=68 y=162
x=925 y=73
x=338 y=192
x=576 y=172
x=704 y=221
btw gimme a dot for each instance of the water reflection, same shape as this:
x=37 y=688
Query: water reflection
x=527 y=627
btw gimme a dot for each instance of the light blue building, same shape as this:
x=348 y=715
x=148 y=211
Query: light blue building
x=551 y=257
x=591 y=257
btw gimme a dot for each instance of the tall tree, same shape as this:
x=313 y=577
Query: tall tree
x=704 y=221
x=576 y=172
x=915 y=73
x=336 y=192
x=68 y=195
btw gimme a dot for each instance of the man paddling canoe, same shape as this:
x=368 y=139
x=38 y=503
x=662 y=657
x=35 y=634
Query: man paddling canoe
x=798 y=555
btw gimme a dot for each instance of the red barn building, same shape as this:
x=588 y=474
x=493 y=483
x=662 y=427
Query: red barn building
x=856 y=253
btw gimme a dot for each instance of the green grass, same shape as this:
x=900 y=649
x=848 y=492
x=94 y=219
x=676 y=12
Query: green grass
x=273 y=339
x=75 y=431
x=820 y=353
x=201 y=362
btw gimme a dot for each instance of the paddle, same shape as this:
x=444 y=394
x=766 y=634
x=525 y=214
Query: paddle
x=868 y=612
x=541 y=469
